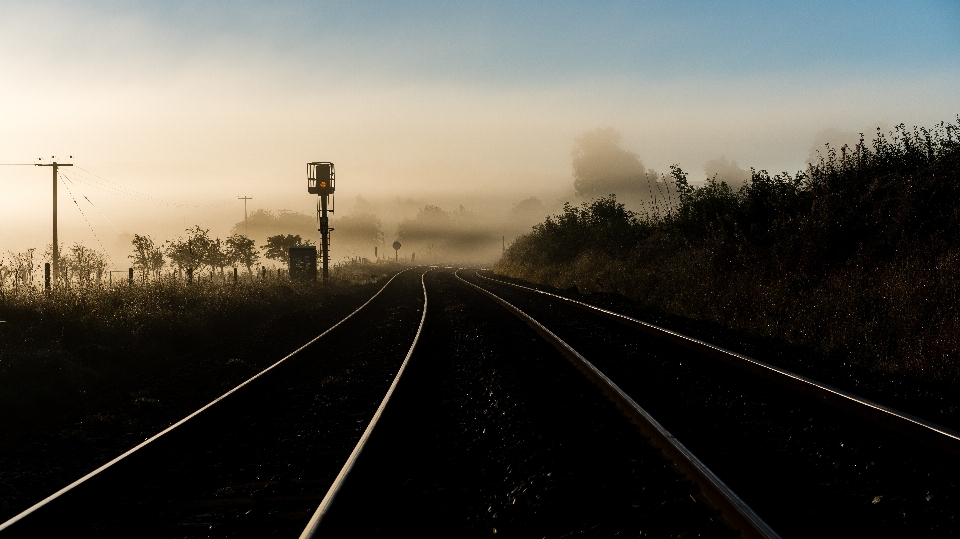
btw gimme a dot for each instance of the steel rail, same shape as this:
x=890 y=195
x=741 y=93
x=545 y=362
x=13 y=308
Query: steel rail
x=167 y=430
x=930 y=434
x=734 y=512
x=313 y=526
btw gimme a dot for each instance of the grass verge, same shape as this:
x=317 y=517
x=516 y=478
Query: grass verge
x=857 y=257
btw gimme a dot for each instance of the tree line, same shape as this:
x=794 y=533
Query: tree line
x=195 y=252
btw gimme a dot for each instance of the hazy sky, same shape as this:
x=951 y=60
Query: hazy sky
x=201 y=102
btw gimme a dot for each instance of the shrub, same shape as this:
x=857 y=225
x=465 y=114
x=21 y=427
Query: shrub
x=856 y=255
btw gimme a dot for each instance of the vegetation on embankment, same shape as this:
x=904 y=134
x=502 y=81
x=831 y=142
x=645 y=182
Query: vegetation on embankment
x=59 y=349
x=857 y=257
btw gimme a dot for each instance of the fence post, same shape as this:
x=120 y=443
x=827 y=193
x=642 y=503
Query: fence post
x=46 y=276
x=130 y=276
x=234 y=275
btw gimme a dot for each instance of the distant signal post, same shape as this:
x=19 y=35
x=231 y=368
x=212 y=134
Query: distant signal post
x=321 y=180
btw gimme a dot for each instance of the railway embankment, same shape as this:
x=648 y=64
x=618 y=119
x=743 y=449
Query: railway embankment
x=845 y=272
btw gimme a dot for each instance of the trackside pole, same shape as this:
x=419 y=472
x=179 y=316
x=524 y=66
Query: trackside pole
x=321 y=181
x=324 y=236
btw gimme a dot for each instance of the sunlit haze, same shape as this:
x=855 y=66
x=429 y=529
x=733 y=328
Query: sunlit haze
x=192 y=104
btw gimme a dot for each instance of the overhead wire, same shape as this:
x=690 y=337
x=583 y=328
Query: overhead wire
x=95 y=180
x=116 y=189
x=124 y=194
x=85 y=197
x=88 y=224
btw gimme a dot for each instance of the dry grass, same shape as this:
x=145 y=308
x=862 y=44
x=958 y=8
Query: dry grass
x=56 y=346
x=857 y=258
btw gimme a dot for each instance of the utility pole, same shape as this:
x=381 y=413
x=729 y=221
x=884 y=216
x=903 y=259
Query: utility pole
x=56 y=247
x=246 y=225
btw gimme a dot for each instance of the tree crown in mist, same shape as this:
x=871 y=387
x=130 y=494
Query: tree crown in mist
x=264 y=223
x=601 y=167
x=362 y=228
x=528 y=207
x=722 y=171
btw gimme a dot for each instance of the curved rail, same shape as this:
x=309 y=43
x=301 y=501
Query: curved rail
x=323 y=509
x=928 y=433
x=734 y=512
x=155 y=437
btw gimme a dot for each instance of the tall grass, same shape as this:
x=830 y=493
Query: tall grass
x=858 y=256
x=56 y=345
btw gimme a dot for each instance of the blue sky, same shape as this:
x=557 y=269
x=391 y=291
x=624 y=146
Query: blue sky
x=440 y=98
x=528 y=42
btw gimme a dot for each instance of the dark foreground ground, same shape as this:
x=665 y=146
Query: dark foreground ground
x=44 y=451
x=37 y=459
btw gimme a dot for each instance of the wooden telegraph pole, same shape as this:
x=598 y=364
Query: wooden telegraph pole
x=246 y=226
x=56 y=246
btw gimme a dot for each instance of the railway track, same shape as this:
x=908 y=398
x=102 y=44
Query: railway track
x=492 y=432
x=810 y=459
x=926 y=433
x=256 y=461
x=489 y=431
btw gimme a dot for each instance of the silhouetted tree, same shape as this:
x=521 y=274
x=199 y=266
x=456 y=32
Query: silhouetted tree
x=194 y=251
x=147 y=256
x=217 y=255
x=241 y=250
x=278 y=247
x=22 y=264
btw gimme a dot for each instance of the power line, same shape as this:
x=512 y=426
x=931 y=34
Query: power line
x=121 y=190
x=103 y=184
x=88 y=223
x=125 y=194
x=85 y=197
x=114 y=188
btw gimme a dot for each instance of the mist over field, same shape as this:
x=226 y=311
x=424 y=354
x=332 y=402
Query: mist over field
x=437 y=225
x=435 y=116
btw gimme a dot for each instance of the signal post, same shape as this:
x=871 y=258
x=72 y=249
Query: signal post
x=321 y=180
